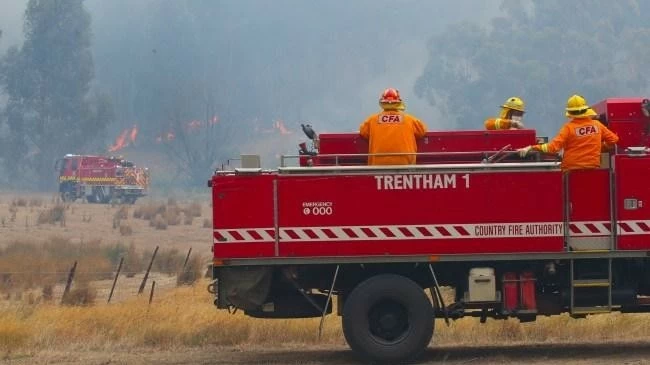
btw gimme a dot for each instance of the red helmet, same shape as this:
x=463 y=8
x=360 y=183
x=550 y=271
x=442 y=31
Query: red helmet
x=390 y=95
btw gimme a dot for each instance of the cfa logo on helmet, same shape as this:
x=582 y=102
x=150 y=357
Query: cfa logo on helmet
x=390 y=118
x=586 y=130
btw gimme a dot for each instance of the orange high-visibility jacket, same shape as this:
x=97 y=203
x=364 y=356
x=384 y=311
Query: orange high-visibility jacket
x=392 y=132
x=498 y=123
x=582 y=140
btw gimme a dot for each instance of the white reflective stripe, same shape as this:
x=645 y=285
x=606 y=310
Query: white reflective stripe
x=302 y=234
x=358 y=232
x=582 y=227
x=454 y=233
x=396 y=232
x=247 y=236
x=265 y=235
x=602 y=227
x=338 y=232
x=636 y=228
x=415 y=232
x=434 y=231
x=377 y=232
x=319 y=232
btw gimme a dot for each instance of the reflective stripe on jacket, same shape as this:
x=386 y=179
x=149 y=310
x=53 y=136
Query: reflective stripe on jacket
x=498 y=123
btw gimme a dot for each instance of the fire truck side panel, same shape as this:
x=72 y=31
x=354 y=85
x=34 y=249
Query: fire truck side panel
x=588 y=209
x=94 y=170
x=589 y=195
x=349 y=215
x=633 y=202
x=243 y=216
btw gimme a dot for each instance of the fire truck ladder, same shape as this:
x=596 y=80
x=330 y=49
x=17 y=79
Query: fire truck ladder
x=592 y=287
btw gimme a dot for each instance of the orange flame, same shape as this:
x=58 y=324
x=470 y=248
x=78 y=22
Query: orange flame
x=120 y=142
x=134 y=133
x=193 y=124
x=279 y=125
x=126 y=137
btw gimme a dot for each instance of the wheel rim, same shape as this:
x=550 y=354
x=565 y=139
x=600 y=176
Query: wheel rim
x=388 y=321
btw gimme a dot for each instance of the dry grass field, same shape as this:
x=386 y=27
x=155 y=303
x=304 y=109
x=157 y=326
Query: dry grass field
x=85 y=222
x=40 y=238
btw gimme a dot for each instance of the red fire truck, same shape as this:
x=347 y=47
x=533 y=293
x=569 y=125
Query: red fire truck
x=101 y=179
x=512 y=237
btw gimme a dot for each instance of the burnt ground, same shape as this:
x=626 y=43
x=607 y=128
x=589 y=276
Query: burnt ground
x=631 y=353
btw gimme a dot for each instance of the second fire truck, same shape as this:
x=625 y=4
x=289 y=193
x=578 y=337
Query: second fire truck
x=101 y=179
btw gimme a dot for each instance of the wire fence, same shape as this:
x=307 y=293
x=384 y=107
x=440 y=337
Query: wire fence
x=90 y=287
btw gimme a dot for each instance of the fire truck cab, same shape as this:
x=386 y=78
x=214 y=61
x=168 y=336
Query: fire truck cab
x=509 y=237
x=101 y=179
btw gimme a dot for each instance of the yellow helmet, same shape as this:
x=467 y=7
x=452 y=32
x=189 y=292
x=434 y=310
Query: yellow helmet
x=577 y=107
x=515 y=103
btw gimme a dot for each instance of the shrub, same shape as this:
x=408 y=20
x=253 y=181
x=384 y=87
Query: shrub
x=193 y=210
x=47 y=292
x=191 y=273
x=168 y=261
x=122 y=213
x=125 y=230
x=173 y=215
x=19 y=202
x=56 y=214
x=82 y=295
x=149 y=211
x=35 y=202
x=158 y=222
x=188 y=219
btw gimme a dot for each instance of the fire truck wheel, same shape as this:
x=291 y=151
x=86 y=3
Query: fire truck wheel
x=388 y=318
x=67 y=196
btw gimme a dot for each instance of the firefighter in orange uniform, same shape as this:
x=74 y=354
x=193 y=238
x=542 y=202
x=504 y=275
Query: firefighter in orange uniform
x=511 y=116
x=581 y=138
x=392 y=131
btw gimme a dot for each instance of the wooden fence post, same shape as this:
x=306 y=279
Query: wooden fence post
x=187 y=258
x=146 y=274
x=68 y=284
x=153 y=286
x=119 y=268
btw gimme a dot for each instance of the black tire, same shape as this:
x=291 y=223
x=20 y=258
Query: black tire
x=388 y=319
x=67 y=196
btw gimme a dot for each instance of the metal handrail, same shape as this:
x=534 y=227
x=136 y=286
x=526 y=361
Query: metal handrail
x=336 y=157
x=520 y=166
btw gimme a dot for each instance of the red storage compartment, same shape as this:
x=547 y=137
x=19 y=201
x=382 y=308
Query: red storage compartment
x=510 y=292
x=434 y=142
x=527 y=285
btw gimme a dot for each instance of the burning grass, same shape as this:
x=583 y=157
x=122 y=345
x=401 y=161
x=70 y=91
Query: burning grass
x=186 y=317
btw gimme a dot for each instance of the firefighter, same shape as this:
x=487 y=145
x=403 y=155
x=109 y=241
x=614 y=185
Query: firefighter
x=392 y=131
x=582 y=138
x=511 y=116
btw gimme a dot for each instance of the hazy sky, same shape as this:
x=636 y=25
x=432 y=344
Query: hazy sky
x=336 y=107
